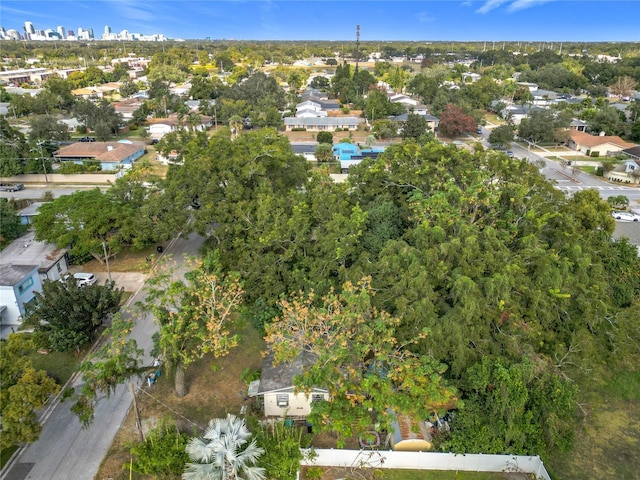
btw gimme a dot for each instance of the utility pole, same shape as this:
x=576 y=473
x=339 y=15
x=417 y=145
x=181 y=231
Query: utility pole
x=357 y=45
x=106 y=259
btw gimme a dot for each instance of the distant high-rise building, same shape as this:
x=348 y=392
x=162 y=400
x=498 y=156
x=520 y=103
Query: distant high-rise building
x=29 y=30
x=90 y=33
x=61 y=31
x=107 y=29
x=13 y=34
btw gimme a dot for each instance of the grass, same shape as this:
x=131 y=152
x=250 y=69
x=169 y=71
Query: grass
x=59 y=365
x=126 y=261
x=607 y=444
x=5 y=455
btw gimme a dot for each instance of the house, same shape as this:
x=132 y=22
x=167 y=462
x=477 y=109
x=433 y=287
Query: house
x=577 y=124
x=126 y=107
x=628 y=170
x=402 y=99
x=52 y=262
x=348 y=154
x=18 y=284
x=319 y=124
x=532 y=87
x=310 y=109
x=432 y=121
x=471 y=77
x=110 y=155
x=88 y=92
x=26 y=214
x=159 y=127
x=602 y=144
x=277 y=391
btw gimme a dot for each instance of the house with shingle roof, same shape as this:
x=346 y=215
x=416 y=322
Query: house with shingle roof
x=276 y=387
x=319 y=124
x=603 y=144
x=110 y=155
x=159 y=127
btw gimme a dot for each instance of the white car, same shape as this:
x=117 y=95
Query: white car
x=83 y=279
x=626 y=216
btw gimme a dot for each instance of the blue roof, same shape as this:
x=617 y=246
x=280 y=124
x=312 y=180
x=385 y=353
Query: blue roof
x=346 y=151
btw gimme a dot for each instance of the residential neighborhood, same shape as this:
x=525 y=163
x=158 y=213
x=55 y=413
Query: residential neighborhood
x=343 y=249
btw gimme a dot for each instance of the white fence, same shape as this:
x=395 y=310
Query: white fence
x=427 y=461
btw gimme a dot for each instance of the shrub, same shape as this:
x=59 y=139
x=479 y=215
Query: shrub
x=163 y=452
x=595 y=154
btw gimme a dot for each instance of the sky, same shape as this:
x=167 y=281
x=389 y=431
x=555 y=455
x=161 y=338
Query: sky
x=416 y=20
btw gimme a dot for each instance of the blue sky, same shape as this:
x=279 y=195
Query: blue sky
x=490 y=20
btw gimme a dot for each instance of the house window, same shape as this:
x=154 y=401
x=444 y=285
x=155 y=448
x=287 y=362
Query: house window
x=24 y=286
x=59 y=267
x=283 y=399
x=317 y=397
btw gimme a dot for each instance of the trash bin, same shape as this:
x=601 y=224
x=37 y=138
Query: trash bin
x=159 y=248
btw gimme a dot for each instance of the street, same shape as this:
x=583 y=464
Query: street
x=64 y=450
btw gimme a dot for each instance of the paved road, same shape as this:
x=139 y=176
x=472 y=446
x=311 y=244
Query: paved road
x=67 y=452
x=35 y=192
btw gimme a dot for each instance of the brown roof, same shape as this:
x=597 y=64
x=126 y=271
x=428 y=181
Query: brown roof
x=101 y=151
x=588 y=140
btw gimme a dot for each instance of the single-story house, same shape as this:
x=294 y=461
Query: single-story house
x=110 y=155
x=310 y=109
x=126 y=107
x=432 y=121
x=402 y=99
x=324 y=103
x=52 y=261
x=18 y=284
x=471 y=77
x=26 y=214
x=627 y=170
x=603 y=144
x=319 y=124
x=577 y=124
x=349 y=154
x=531 y=86
x=88 y=92
x=276 y=388
x=159 y=127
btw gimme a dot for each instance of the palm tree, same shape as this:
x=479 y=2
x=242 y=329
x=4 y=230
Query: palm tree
x=220 y=454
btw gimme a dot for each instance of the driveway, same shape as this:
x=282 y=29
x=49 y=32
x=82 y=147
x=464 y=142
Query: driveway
x=130 y=281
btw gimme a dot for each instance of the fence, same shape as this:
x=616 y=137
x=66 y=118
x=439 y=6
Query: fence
x=427 y=461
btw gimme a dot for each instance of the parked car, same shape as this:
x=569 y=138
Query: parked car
x=509 y=153
x=87 y=139
x=11 y=187
x=479 y=131
x=83 y=279
x=626 y=216
x=154 y=141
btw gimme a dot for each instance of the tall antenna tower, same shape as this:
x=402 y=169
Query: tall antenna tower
x=357 y=46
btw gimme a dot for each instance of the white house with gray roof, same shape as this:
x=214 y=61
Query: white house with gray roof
x=278 y=392
x=18 y=284
x=319 y=124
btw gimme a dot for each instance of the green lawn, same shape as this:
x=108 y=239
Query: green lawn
x=59 y=365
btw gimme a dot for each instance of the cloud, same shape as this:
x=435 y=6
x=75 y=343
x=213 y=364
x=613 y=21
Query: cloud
x=514 y=5
x=135 y=10
x=424 y=17
x=522 y=4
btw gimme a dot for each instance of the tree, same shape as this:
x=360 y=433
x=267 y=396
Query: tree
x=358 y=358
x=415 y=127
x=88 y=221
x=12 y=227
x=325 y=137
x=194 y=315
x=608 y=120
x=70 y=316
x=324 y=152
x=224 y=452
x=453 y=121
x=623 y=86
x=544 y=126
x=23 y=391
x=100 y=117
x=501 y=136
x=117 y=360
x=128 y=87
x=385 y=129
x=46 y=127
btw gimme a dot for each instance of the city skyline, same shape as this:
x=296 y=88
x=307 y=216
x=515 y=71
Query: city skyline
x=465 y=20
